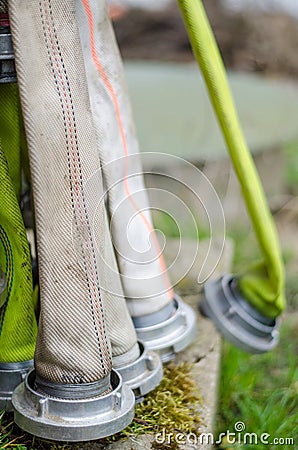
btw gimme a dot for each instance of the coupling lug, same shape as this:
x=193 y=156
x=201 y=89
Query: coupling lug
x=172 y=335
x=144 y=374
x=73 y=419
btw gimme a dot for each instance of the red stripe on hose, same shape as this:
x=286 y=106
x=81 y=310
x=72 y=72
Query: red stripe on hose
x=63 y=88
x=112 y=93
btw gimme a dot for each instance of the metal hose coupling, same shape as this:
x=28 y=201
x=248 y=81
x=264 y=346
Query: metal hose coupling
x=7 y=63
x=236 y=319
x=82 y=412
x=142 y=375
x=168 y=331
x=11 y=375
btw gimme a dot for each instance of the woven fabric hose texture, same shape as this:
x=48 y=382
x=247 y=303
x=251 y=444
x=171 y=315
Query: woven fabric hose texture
x=120 y=327
x=72 y=345
x=18 y=327
x=3 y=6
x=143 y=272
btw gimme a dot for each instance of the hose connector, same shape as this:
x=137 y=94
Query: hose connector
x=170 y=335
x=7 y=63
x=72 y=417
x=144 y=374
x=236 y=319
x=11 y=375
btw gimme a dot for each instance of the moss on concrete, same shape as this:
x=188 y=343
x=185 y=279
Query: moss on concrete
x=172 y=406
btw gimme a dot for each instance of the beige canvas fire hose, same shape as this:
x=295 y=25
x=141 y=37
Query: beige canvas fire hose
x=73 y=356
x=128 y=356
x=147 y=288
x=139 y=367
x=143 y=271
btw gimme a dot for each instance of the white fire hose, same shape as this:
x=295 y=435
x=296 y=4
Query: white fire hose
x=147 y=288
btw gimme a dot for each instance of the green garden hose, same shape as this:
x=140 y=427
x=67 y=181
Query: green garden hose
x=18 y=327
x=263 y=284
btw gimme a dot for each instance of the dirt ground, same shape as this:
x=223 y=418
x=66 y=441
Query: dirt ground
x=248 y=41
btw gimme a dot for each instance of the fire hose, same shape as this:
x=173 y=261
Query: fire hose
x=73 y=360
x=161 y=319
x=262 y=285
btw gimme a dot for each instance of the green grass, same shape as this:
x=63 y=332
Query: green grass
x=7 y=439
x=261 y=390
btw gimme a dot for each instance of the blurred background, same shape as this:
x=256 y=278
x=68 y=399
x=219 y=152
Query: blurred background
x=258 y=40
